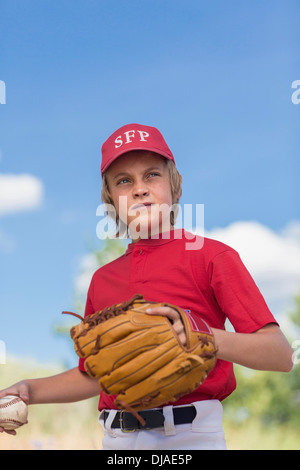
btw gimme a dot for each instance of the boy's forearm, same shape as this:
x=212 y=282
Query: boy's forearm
x=70 y=386
x=265 y=349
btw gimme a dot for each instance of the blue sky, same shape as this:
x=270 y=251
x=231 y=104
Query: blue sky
x=214 y=77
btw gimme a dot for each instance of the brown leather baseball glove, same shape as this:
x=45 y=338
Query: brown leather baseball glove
x=139 y=357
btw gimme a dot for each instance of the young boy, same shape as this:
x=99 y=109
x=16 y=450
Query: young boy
x=139 y=178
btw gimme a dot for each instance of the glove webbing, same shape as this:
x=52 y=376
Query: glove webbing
x=106 y=313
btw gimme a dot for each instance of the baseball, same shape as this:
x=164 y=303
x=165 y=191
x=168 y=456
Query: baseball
x=13 y=412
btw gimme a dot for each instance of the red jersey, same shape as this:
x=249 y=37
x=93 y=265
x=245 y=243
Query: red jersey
x=211 y=282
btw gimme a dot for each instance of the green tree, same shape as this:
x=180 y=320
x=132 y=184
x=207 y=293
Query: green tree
x=269 y=397
x=111 y=249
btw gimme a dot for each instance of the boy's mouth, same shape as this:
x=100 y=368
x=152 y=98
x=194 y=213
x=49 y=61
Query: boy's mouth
x=144 y=204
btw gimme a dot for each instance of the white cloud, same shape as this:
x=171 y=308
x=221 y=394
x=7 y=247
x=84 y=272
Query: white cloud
x=273 y=258
x=19 y=193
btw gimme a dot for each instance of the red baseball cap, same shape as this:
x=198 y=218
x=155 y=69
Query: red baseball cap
x=133 y=137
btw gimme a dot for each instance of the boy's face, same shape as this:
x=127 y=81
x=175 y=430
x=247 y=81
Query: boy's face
x=140 y=188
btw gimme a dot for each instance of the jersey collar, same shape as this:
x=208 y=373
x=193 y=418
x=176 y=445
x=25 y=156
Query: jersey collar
x=159 y=239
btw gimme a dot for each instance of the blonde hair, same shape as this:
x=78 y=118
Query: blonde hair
x=176 y=192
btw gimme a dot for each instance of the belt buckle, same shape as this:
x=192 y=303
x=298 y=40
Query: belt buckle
x=137 y=427
x=124 y=429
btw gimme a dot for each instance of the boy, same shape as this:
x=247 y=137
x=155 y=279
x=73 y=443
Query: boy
x=139 y=177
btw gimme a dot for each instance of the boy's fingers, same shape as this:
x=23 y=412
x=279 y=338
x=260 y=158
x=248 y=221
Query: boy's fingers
x=165 y=311
x=12 y=432
x=23 y=393
x=20 y=390
x=173 y=315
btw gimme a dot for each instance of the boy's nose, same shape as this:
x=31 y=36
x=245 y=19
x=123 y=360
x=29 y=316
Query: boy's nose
x=140 y=190
x=141 y=193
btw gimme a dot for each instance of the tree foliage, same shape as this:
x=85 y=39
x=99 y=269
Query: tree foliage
x=111 y=249
x=271 y=397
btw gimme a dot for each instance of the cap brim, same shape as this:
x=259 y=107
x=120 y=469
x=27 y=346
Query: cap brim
x=147 y=149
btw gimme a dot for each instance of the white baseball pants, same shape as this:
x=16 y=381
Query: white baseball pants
x=204 y=433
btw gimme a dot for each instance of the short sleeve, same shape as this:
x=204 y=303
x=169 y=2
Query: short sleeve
x=89 y=309
x=237 y=294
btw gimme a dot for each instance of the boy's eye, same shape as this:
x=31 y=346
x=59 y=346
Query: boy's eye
x=122 y=180
x=125 y=180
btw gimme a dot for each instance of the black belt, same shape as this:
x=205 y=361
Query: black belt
x=127 y=422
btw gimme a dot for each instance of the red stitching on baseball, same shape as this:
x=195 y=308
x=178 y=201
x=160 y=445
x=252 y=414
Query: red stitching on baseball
x=9 y=403
x=8 y=420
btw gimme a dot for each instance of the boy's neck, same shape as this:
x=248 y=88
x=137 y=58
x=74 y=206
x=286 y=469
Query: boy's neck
x=154 y=234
